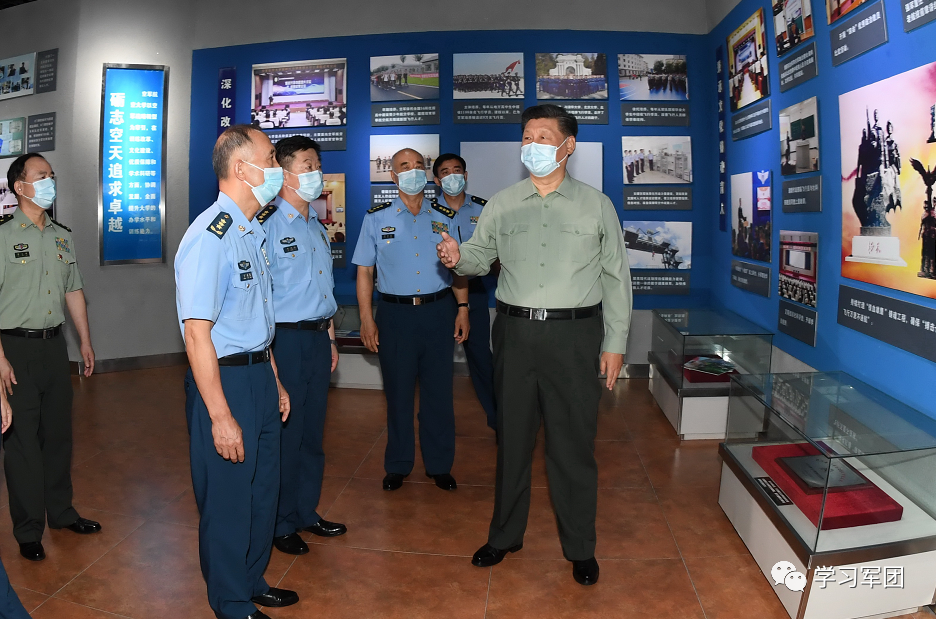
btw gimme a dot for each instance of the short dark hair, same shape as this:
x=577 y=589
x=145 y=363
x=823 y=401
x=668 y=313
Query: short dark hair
x=287 y=148
x=232 y=140
x=17 y=171
x=447 y=157
x=568 y=125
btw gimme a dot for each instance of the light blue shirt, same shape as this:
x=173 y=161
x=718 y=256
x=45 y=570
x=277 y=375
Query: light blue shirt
x=222 y=275
x=467 y=218
x=301 y=262
x=403 y=247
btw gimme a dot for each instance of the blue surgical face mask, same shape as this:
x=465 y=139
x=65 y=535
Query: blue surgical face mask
x=412 y=182
x=45 y=192
x=310 y=185
x=272 y=183
x=453 y=184
x=540 y=159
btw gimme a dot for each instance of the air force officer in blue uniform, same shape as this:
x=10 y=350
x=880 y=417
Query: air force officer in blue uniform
x=234 y=402
x=416 y=314
x=451 y=172
x=306 y=354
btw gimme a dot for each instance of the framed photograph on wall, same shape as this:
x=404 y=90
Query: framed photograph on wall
x=799 y=138
x=658 y=244
x=571 y=76
x=488 y=76
x=793 y=23
x=404 y=77
x=799 y=256
x=383 y=147
x=657 y=160
x=840 y=8
x=748 y=79
x=12 y=137
x=653 y=77
x=17 y=75
x=751 y=215
x=301 y=93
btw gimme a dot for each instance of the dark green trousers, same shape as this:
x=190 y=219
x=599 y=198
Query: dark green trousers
x=39 y=443
x=547 y=369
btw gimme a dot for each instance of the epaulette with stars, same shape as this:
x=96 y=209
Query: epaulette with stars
x=478 y=200
x=5 y=219
x=379 y=207
x=220 y=225
x=450 y=213
x=57 y=224
x=265 y=213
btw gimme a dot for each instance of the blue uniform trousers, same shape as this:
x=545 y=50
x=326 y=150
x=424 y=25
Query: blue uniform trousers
x=303 y=359
x=417 y=341
x=478 y=349
x=236 y=502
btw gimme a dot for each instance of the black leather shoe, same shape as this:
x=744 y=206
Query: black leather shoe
x=32 y=551
x=393 y=481
x=291 y=544
x=276 y=598
x=258 y=615
x=324 y=528
x=585 y=572
x=444 y=481
x=84 y=526
x=487 y=555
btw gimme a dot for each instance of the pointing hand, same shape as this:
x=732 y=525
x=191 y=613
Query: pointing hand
x=448 y=251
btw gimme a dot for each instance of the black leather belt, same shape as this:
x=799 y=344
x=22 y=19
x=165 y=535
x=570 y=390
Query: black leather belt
x=246 y=358
x=418 y=299
x=306 y=325
x=532 y=313
x=44 y=334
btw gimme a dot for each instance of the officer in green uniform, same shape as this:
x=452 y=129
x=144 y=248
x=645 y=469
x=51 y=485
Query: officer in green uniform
x=38 y=277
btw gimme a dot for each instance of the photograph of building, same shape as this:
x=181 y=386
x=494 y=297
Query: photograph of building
x=571 y=76
x=653 y=77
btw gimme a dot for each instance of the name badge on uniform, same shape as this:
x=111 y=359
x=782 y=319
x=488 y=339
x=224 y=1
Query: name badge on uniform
x=474 y=221
x=61 y=244
x=291 y=249
x=388 y=232
x=21 y=254
x=288 y=240
x=246 y=276
x=438 y=227
x=243 y=265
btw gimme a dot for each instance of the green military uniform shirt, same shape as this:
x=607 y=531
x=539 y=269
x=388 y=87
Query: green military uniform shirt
x=562 y=251
x=37 y=268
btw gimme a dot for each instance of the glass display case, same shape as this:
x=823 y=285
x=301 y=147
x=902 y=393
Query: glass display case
x=843 y=474
x=693 y=355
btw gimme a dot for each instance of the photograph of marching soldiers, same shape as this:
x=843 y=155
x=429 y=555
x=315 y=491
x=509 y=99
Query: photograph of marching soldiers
x=571 y=76
x=382 y=148
x=748 y=80
x=658 y=244
x=309 y=93
x=404 y=77
x=488 y=76
x=653 y=77
x=658 y=160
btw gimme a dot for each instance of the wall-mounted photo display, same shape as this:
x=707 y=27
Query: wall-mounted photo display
x=793 y=23
x=751 y=215
x=330 y=207
x=7 y=199
x=488 y=76
x=17 y=75
x=12 y=137
x=888 y=134
x=799 y=138
x=839 y=8
x=799 y=255
x=653 y=77
x=658 y=244
x=383 y=147
x=748 y=79
x=657 y=160
x=301 y=93
x=404 y=77
x=571 y=76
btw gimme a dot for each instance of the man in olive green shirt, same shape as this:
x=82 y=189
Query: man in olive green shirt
x=564 y=307
x=38 y=277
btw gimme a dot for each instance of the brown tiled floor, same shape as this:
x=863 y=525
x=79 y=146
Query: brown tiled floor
x=665 y=547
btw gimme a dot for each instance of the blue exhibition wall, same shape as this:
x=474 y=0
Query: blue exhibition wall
x=899 y=373
x=354 y=161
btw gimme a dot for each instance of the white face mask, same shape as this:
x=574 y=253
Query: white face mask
x=45 y=192
x=310 y=185
x=540 y=159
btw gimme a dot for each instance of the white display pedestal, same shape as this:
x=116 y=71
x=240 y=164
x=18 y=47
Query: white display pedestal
x=876 y=250
x=770 y=540
x=696 y=413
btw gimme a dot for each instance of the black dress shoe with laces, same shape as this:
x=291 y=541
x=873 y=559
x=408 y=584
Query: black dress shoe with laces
x=84 y=526
x=290 y=544
x=258 y=615
x=32 y=551
x=444 y=481
x=585 y=572
x=276 y=598
x=393 y=481
x=324 y=528
x=487 y=555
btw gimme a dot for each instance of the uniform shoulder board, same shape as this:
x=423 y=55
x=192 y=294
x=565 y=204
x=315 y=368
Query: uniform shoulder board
x=57 y=224
x=265 y=212
x=379 y=207
x=478 y=200
x=442 y=209
x=220 y=225
x=5 y=219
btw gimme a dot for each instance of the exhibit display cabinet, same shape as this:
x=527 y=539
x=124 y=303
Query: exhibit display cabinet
x=830 y=484
x=693 y=355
